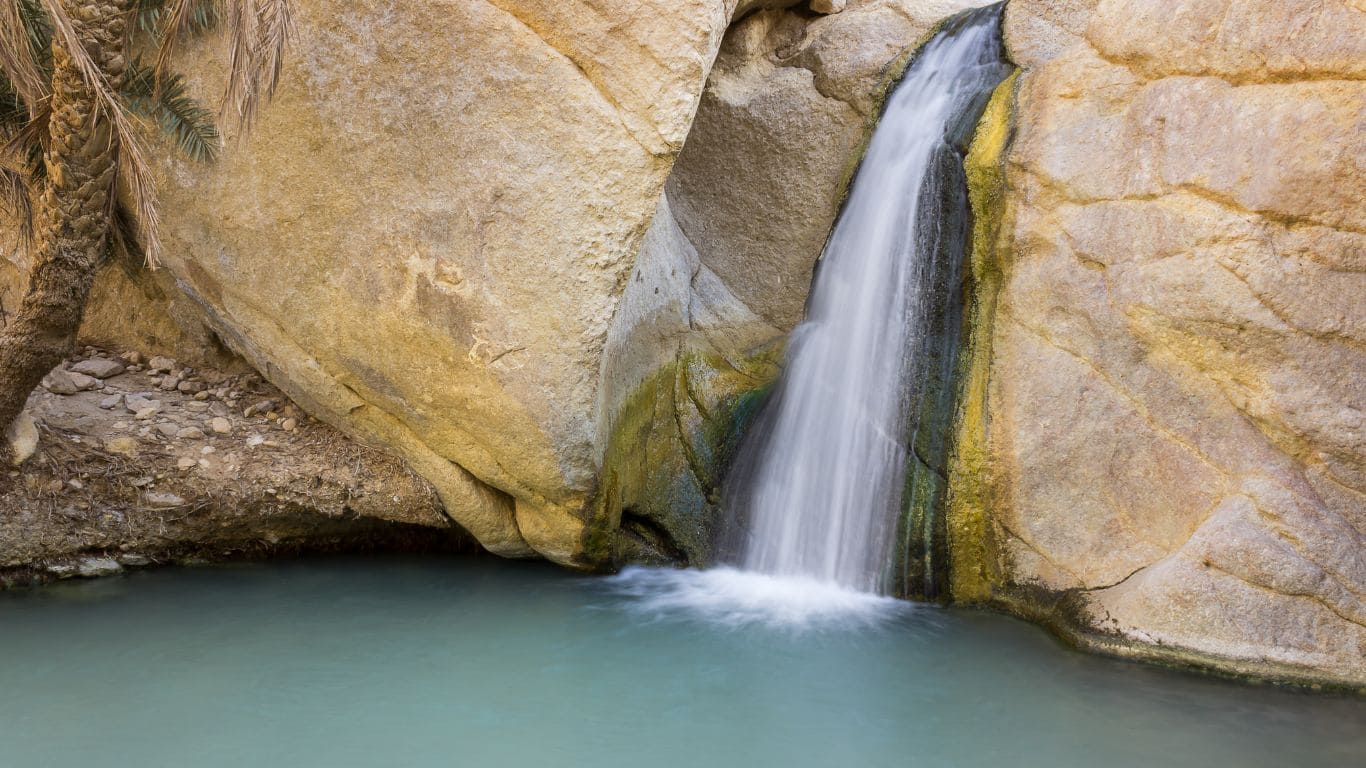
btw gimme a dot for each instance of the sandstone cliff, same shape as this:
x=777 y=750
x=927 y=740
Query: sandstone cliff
x=1167 y=455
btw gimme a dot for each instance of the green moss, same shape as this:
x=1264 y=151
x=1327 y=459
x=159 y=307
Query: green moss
x=974 y=567
x=670 y=445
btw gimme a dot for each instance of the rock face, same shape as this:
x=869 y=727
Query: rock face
x=724 y=270
x=1168 y=453
x=778 y=133
x=431 y=256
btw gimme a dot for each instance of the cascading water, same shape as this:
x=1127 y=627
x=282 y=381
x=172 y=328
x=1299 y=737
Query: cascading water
x=817 y=487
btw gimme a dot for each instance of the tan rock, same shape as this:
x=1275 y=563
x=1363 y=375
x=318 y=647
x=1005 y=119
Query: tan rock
x=780 y=125
x=1176 y=428
x=459 y=228
x=22 y=438
x=122 y=446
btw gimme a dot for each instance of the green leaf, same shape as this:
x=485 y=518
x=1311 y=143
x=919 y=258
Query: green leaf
x=179 y=116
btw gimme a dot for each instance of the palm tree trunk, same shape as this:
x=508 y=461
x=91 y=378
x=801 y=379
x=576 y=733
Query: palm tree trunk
x=74 y=211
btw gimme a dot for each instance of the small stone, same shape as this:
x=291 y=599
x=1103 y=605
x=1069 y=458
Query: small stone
x=196 y=406
x=60 y=382
x=167 y=428
x=265 y=406
x=828 y=6
x=131 y=560
x=131 y=358
x=141 y=482
x=255 y=440
x=75 y=484
x=139 y=403
x=220 y=425
x=190 y=433
x=61 y=570
x=186 y=463
x=160 y=364
x=288 y=425
x=147 y=413
x=163 y=499
x=111 y=402
x=123 y=446
x=22 y=437
x=83 y=382
x=92 y=567
x=99 y=367
x=202 y=396
x=169 y=383
x=208 y=449
x=192 y=387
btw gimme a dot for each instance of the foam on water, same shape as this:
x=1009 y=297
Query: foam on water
x=736 y=598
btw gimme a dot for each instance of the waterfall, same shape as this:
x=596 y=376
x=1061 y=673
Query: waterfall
x=817 y=489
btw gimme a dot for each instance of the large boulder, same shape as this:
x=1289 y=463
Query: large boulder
x=429 y=231
x=1168 y=453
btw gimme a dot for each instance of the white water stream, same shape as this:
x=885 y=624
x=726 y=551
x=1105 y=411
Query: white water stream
x=818 y=489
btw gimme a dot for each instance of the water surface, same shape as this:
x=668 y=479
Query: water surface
x=460 y=662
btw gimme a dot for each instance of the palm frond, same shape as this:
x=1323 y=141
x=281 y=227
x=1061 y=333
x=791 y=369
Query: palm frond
x=19 y=62
x=147 y=15
x=277 y=27
x=23 y=137
x=123 y=238
x=259 y=31
x=18 y=203
x=13 y=112
x=176 y=20
x=178 y=115
x=132 y=166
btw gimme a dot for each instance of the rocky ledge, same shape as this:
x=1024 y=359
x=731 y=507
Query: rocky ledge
x=133 y=461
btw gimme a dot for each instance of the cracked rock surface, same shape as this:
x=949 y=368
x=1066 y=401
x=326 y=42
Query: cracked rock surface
x=1178 y=376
